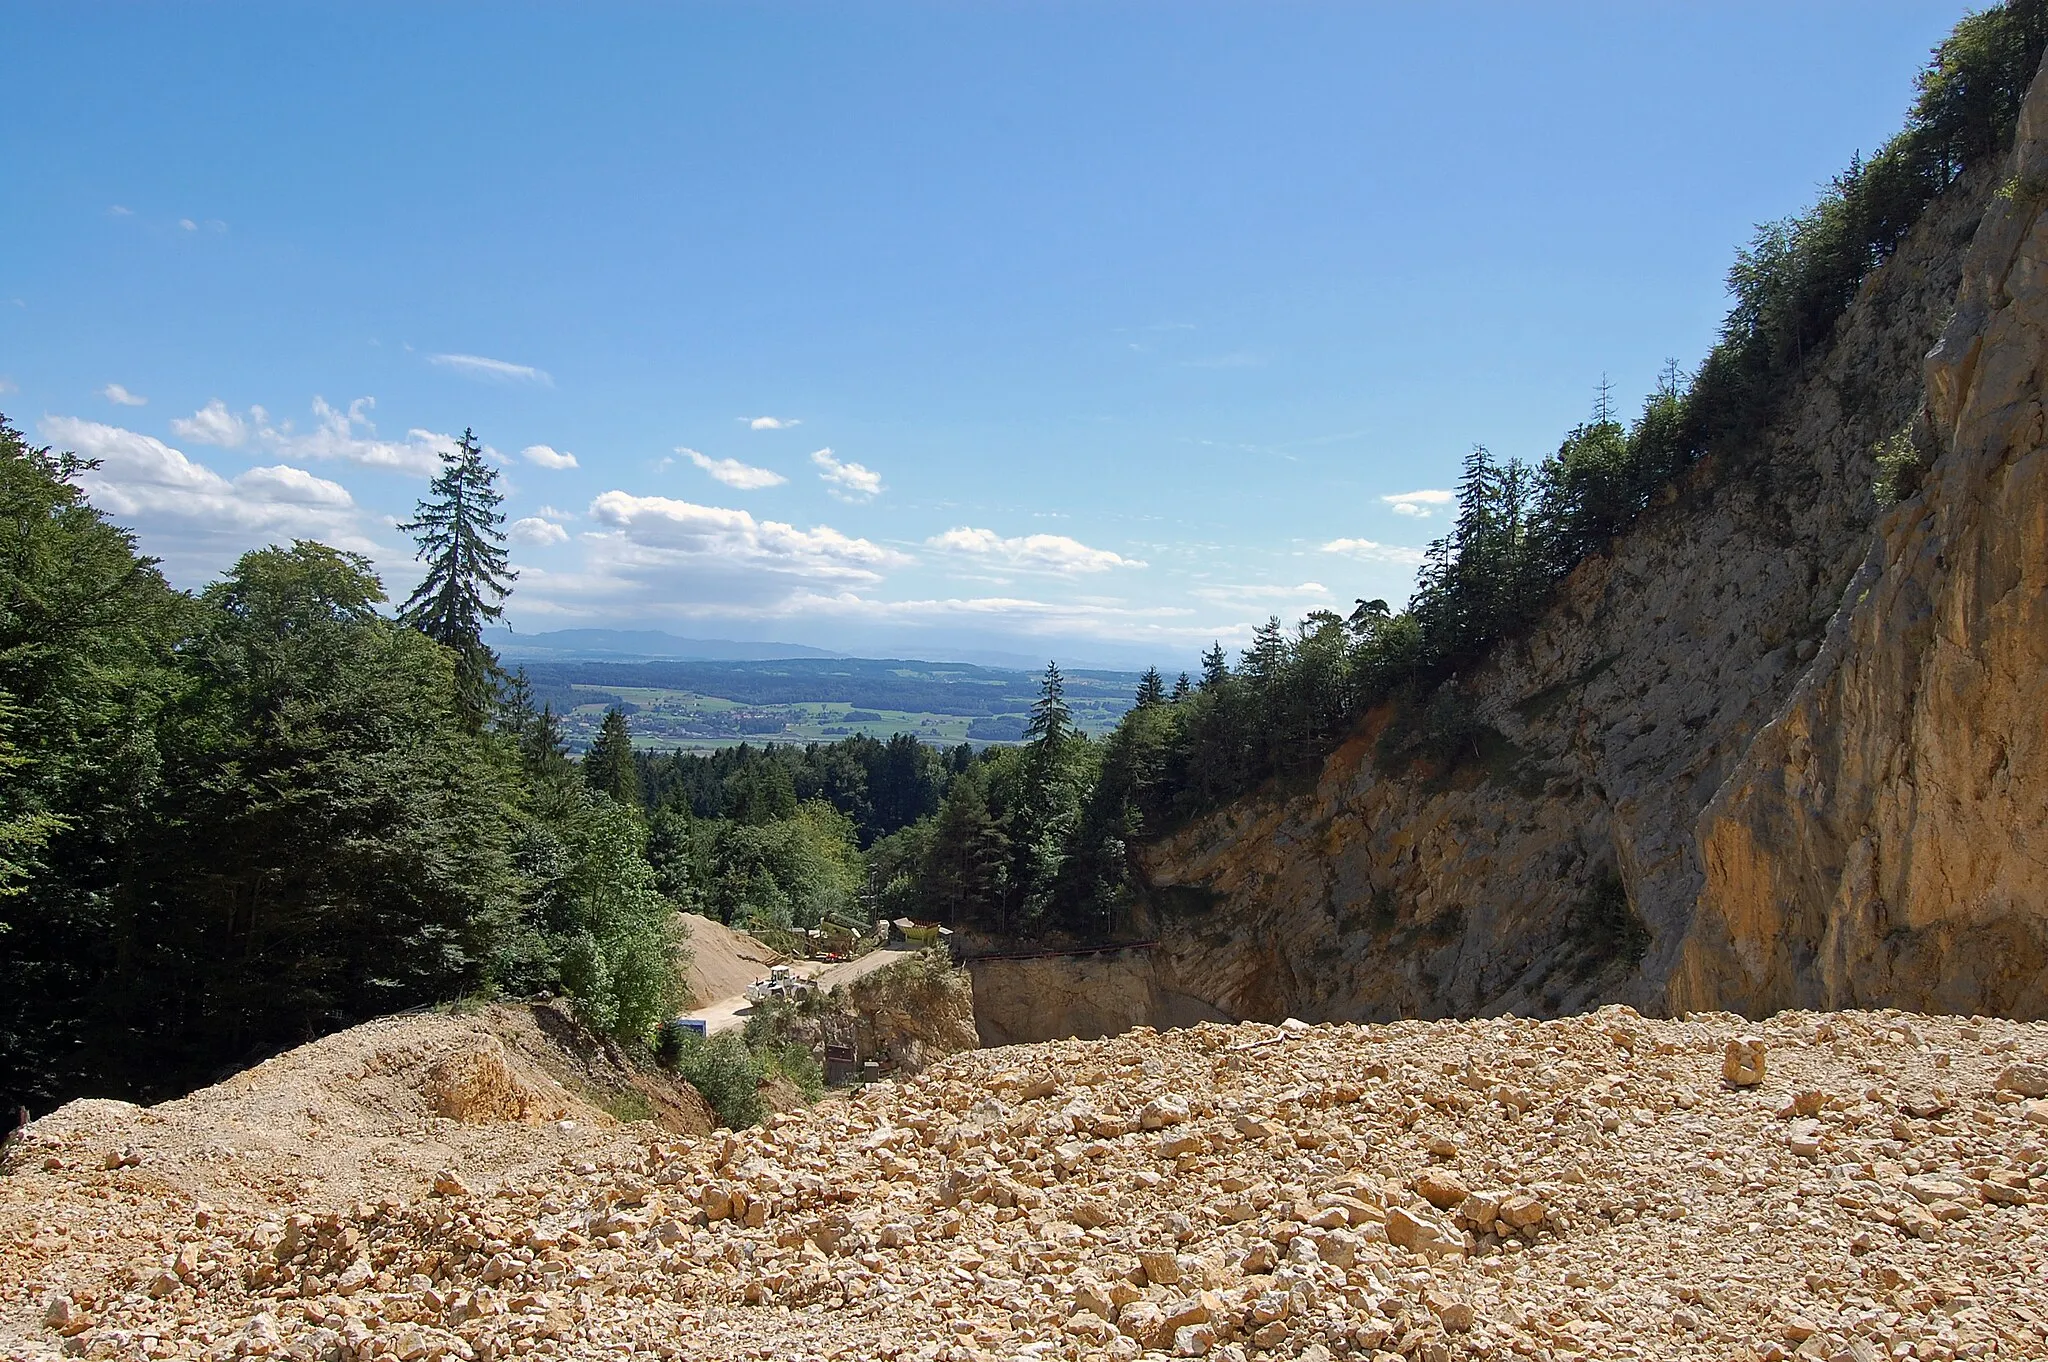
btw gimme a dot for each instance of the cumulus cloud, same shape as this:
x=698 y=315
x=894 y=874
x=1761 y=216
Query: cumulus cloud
x=1030 y=552
x=1422 y=504
x=492 y=370
x=770 y=422
x=193 y=516
x=547 y=456
x=650 y=539
x=347 y=435
x=732 y=472
x=1367 y=551
x=847 y=481
x=121 y=397
x=535 y=532
x=214 y=424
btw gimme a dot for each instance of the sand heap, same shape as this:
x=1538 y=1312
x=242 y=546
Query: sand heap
x=1585 y=1188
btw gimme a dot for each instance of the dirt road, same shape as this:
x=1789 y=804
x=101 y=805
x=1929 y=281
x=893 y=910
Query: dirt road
x=727 y=1014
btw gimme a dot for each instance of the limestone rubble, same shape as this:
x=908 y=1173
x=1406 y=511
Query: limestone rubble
x=1588 y=1187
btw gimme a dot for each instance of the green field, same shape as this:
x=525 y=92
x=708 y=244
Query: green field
x=713 y=707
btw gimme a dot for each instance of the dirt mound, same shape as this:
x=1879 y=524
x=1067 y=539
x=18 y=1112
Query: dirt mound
x=1585 y=1188
x=379 y=1110
x=723 y=962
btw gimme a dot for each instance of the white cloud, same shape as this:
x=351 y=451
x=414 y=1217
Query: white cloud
x=847 y=481
x=494 y=370
x=547 y=456
x=6 y=384
x=1422 y=504
x=1039 y=552
x=1370 y=552
x=1109 y=621
x=348 y=435
x=535 y=532
x=770 y=422
x=732 y=472
x=121 y=397
x=120 y=211
x=188 y=224
x=664 y=532
x=1245 y=594
x=191 y=515
x=214 y=424
x=553 y=513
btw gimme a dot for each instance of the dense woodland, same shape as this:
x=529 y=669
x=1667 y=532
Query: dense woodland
x=234 y=819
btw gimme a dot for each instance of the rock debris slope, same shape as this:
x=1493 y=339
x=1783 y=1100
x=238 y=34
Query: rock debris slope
x=1875 y=1186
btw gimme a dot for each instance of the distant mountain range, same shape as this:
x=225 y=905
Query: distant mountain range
x=637 y=645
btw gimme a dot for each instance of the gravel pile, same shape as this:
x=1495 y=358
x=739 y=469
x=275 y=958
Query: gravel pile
x=1835 y=1186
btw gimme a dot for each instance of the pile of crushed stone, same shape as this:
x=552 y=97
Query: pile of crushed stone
x=1832 y=1186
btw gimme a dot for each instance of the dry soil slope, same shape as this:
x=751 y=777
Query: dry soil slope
x=1581 y=1188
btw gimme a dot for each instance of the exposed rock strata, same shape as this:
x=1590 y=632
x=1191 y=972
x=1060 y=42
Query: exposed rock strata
x=1886 y=838
x=1693 y=803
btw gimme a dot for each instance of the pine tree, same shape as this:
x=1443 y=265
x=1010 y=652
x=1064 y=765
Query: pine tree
x=1182 y=689
x=1215 y=667
x=608 y=767
x=1051 y=720
x=1151 y=689
x=458 y=530
x=541 y=748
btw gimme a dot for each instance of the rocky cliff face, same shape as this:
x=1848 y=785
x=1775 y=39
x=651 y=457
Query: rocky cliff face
x=1885 y=839
x=1775 y=748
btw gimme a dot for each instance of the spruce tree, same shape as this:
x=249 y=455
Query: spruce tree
x=1215 y=667
x=459 y=532
x=1051 y=720
x=1182 y=689
x=608 y=766
x=1151 y=689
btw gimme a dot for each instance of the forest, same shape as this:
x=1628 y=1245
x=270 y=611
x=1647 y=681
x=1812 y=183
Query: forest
x=237 y=818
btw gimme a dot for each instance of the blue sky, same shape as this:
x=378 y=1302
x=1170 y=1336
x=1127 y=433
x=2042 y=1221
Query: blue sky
x=1097 y=330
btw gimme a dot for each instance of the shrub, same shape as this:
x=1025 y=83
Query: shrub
x=728 y=1075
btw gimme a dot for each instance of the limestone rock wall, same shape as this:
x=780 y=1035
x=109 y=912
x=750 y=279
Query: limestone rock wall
x=1885 y=840
x=1775 y=748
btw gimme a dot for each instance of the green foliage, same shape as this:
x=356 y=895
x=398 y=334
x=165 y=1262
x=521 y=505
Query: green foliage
x=727 y=1073
x=622 y=952
x=882 y=786
x=241 y=819
x=1607 y=922
x=629 y=1105
x=608 y=767
x=789 y=873
x=1900 y=467
x=460 y=535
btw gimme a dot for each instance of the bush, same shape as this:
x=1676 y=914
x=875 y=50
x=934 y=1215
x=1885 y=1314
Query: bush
x=728 y=1075
x=1900 y=466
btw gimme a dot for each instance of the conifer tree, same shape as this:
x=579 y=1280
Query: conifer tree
x=1051 y=720
x=608 y=767
x=1215 y=667
x=1182 y=689
x=458 y=529
x=1151 y=689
